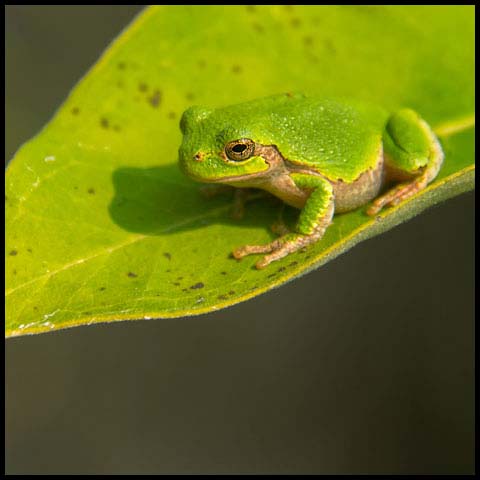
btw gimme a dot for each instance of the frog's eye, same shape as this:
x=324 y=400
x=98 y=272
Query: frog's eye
x=239 y=150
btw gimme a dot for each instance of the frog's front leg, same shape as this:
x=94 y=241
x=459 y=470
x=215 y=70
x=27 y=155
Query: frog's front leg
x=314 y=219
x=412 y=151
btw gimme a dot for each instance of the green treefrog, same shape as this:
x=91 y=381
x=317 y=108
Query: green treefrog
x=321 y=155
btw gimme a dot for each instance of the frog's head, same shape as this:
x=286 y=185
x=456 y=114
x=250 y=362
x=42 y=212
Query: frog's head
x=218 y=146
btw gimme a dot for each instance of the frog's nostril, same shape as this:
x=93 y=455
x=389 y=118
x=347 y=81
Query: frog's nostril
x=198 y=157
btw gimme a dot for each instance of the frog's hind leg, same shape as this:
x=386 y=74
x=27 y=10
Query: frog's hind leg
x=411 y=151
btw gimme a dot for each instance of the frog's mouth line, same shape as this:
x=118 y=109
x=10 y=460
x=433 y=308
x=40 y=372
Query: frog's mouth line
x=237 y=179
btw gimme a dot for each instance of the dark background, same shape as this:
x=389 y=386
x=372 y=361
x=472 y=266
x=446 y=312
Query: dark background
x=363 y=366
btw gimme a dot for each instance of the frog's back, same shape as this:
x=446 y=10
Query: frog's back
x=339 y=139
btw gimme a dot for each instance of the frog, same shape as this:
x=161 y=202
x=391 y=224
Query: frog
x=321 y=155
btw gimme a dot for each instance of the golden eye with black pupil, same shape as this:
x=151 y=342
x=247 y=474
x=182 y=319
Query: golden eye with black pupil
x=239 y=150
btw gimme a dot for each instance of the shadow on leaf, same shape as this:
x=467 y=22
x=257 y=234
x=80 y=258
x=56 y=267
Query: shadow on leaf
x=161 y=200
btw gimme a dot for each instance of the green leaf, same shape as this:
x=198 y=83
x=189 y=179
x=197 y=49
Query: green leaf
x=102 y=225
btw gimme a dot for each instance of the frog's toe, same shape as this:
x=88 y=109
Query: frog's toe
x=272 y=257
x=252 y=249
x=263 y=263
x=396 y=195
x=290 y=244
x=373 y=209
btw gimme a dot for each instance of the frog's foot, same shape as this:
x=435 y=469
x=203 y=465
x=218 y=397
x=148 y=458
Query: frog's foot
x=396 y=195
x=314 y=219
x=277 y=249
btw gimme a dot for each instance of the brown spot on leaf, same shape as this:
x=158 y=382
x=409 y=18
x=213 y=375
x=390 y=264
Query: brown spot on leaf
x=91 y=191
x=176 y=284
x=295 y=22
x=308 y=40
x=167 y=255
x=281 y=269
x=292 y=264
x=202 y=63
x=117 y=128
x=29 y=250
x=197 y=285
x=13 y=253
x=132 y=275
x=329 y=45
x=155 y=98
x=231 y=292
x=222 y=297
x=75 y=111
x=121 y=65
x=190 y=96
x=142 y=86
x=258 y=27
x=172 y=115
x=237 y=69
x=223 y=273
x=102 y=288
x=104 y=123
